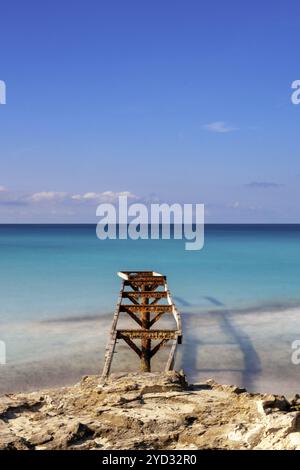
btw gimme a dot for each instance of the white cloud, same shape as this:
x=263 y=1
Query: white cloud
x=85 y=197
x=62 y=197
x=219 y=127
x=263 y=185
x=47 y=196
x=106 y=196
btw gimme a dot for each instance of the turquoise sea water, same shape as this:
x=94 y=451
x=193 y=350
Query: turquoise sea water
x=58 y=283
x=64 y=270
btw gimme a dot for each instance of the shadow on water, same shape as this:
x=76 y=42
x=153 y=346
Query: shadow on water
x=182 y=302
x=195 y=339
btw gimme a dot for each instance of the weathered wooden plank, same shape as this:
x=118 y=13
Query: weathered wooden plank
x=176 y=314
x=109 y=354
x=110 y=348
x=139 y=274
x=171 y=358
x=127 y=274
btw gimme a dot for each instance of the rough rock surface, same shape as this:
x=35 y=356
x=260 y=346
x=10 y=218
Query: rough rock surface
x=148 y=411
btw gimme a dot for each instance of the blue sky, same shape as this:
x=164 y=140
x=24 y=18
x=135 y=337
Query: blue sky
x=183 y=101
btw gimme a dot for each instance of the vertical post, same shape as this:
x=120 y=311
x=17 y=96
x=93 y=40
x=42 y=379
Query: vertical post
x=145 y=343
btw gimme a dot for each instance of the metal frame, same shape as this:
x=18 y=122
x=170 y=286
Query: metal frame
x=145 y=310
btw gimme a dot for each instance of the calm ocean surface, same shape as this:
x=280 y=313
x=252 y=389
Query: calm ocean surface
x=58 y=283
x=54 y=271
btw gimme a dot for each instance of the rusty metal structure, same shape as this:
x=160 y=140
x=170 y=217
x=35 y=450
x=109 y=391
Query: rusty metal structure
x=145 y=297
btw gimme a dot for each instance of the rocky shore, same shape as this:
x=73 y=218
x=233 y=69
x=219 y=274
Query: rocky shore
x=148 y=411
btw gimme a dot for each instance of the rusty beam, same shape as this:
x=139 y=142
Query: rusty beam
x=133 y=299
x=145 y=341
x=147 y=279
x=151 y=334
x=135 y=318
x=156 y=318
x=155 y=301
x=146 y=308
x=132 y=345
x=139 y=282
x=145 y=294
x=159 y=346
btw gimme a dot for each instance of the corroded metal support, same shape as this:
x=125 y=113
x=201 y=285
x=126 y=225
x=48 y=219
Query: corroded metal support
x=159 y=346
x=131 y=344
x=151 y=334
x=146 y=340
x=147 y=299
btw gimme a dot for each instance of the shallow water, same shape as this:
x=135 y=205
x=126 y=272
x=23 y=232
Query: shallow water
x=63 y=270
x=236 y=297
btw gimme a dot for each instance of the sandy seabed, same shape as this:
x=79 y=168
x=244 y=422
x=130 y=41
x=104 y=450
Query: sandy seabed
x=250 y=349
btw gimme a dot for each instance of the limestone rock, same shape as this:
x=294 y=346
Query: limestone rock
x=148 y=411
